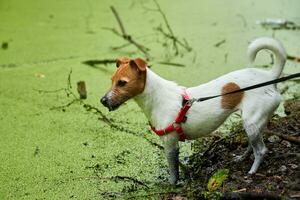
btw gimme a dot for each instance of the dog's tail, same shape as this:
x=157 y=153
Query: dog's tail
x=273 y=45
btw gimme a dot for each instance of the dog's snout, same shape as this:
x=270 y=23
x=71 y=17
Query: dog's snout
x=104 y=101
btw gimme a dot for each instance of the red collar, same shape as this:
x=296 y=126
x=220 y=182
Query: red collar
x=181 y=118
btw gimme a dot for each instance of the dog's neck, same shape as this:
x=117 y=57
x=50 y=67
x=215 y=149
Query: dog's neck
x=160 y=101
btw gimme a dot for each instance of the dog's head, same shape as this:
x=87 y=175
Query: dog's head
x=128 y=81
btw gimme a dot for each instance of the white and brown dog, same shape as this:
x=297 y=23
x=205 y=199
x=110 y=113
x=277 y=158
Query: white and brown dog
x=161 y=101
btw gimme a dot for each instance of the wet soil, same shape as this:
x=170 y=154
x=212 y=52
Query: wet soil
x=278 y=176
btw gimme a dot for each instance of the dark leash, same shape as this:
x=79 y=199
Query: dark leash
x=278 y=80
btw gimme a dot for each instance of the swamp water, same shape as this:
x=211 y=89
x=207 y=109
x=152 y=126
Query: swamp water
x=69 y=152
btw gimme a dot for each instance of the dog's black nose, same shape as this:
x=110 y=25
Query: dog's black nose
x=104 y=101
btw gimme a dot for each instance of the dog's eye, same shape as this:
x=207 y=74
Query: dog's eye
x=121 y=83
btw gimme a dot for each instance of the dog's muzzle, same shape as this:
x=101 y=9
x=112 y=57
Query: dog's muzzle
x=106 y=102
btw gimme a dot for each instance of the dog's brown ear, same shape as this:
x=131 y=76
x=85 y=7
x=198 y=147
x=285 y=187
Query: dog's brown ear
x=139 y=63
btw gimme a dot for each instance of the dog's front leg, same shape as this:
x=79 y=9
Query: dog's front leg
x=172 y=152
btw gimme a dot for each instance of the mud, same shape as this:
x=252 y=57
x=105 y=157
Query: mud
x=278 y=176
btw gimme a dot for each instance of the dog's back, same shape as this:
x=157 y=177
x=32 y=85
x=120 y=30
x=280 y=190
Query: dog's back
x=256 y=106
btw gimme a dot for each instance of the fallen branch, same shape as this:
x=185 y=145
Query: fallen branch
x=113 y=125
x=172 y=64
x=97 y=111
x=119 y=21
x=49 y=91
x=126 y=36
x=126 y=178
x=118 y=178
x=69 y=85
x=92 y=63
x=170 y=33
x=174 y=40
x=121 y=46
x=293 y=58
x=285 y=137
x=63 y=107
x=220 y=43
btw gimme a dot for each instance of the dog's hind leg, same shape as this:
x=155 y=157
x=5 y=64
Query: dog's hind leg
x=256 y=111
x=256 y=140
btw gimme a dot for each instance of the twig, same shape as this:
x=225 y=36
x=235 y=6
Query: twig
x=168 y=27
x=285 y=137
x=64 y=106
x=92 y=63
x=240 y=190
x=126 y=36
x=49 y=91
x=69 y=80
x=117 y=127
x=225 y=57
x=171 y=33
x=130 y=179
x=119 y=21
x=118 y=178
x=293 y=58
x=121 y=46
x=172 y=64
x=220 y=43
x=113 y=30
x=97 y=111
x=175 y=39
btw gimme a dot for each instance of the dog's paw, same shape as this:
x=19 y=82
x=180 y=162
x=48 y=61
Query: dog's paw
x=251 y=172
x=239 y=158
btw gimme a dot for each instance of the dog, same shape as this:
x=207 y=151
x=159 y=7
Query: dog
x=162 y=102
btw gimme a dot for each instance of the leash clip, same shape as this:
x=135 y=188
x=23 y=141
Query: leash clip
x=191 y=101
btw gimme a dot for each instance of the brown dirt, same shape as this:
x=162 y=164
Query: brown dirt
x=278 y=176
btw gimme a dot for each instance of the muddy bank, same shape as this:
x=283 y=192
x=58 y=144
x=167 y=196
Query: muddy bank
x=277 y=177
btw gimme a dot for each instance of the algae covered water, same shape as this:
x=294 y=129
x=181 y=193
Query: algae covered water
x=55 y=147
